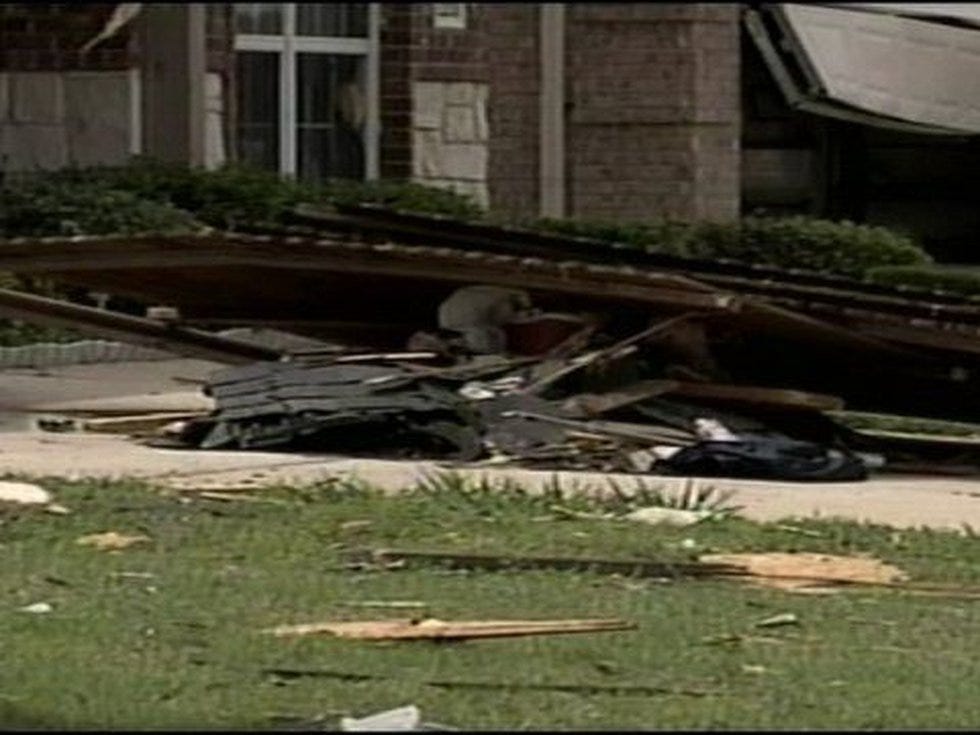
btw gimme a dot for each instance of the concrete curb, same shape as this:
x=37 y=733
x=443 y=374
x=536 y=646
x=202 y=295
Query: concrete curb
x=92 y=351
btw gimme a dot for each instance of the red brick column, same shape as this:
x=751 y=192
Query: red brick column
x=654 y=110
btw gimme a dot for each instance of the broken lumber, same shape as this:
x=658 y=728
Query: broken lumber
x=137 y=423
x=495 y=562
x=757 y=396
x=594 y=404
x=431 y=629
x=732 y=567
x=607 y=353
x=568 y=687
x=138 y=330
x=637 y=432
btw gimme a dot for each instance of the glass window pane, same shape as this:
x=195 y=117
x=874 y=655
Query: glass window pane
x=330 y=115
x=258 y=18
x=341 y=20
x=258 y=108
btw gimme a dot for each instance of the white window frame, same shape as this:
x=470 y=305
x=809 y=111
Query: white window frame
x=287 y=44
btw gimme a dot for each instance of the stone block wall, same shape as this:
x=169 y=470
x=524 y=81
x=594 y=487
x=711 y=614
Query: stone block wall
x=449 y=136
x=49 y=120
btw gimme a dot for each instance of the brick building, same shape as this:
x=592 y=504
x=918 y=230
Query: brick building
x=600 y=110
x=584 y=109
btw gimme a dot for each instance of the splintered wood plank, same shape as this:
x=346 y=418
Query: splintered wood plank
x=759 y=396
x=594 y=404
x=388 y=630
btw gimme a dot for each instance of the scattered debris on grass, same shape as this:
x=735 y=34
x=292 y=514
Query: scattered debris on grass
x=23 y=493
x=401 y=719
x=791 y=572
x=667 y=516
x=472 y=560
x=432 y=629
x=609 y=688
x=797 y=530
x=132 y=575
x=807 y=572
x=111 y=541
x=38 y=608
x=778 y=621
x=387 y=604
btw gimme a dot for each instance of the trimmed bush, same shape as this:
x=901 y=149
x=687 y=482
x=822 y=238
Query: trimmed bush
x=841 y=248
x=925 y=278
x=41 y=208
x=403 y=196
x=151 y=196
x=235 y=195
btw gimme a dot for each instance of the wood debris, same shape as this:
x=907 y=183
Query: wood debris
x=630 y=688
x=111 y=541
x=807 y=572
x=433 y=629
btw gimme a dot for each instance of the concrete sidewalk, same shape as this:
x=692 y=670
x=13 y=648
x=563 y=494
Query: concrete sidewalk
x=900 y=501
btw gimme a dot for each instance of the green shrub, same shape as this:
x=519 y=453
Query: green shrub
x=224 y=199
x=841 y=248
x=146 y=195
x=661 y=237
x=935 y=278
x=233 y=196
x=43 y=207
x=404 y=196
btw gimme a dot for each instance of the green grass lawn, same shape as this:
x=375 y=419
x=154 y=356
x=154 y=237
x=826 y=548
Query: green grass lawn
x=166 y=635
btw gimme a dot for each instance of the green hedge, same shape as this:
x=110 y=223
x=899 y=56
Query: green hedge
x=234 y=195
x=48 y=207
x=841 y=248
x=926 y=278
x=147 y=195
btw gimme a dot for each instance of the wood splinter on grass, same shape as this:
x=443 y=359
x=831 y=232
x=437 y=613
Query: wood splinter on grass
x=111 y=541
x=390 y=604
x=432 y=629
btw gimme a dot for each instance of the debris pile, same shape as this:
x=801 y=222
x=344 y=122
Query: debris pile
x=480 y=343
x=583 y=400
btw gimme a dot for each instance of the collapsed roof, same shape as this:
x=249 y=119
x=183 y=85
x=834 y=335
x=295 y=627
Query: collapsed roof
x=373 y=278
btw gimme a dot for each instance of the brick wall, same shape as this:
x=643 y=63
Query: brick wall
x=46 y=37
x=493 y=59
x=653 y=110
x=512 y=39
x=433 y=99
x=397 y=21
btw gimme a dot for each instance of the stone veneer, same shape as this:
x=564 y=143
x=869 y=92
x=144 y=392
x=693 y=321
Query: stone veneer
x=449 y=136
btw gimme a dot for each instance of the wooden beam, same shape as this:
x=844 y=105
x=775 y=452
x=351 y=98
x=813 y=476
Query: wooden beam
x=137 y=330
